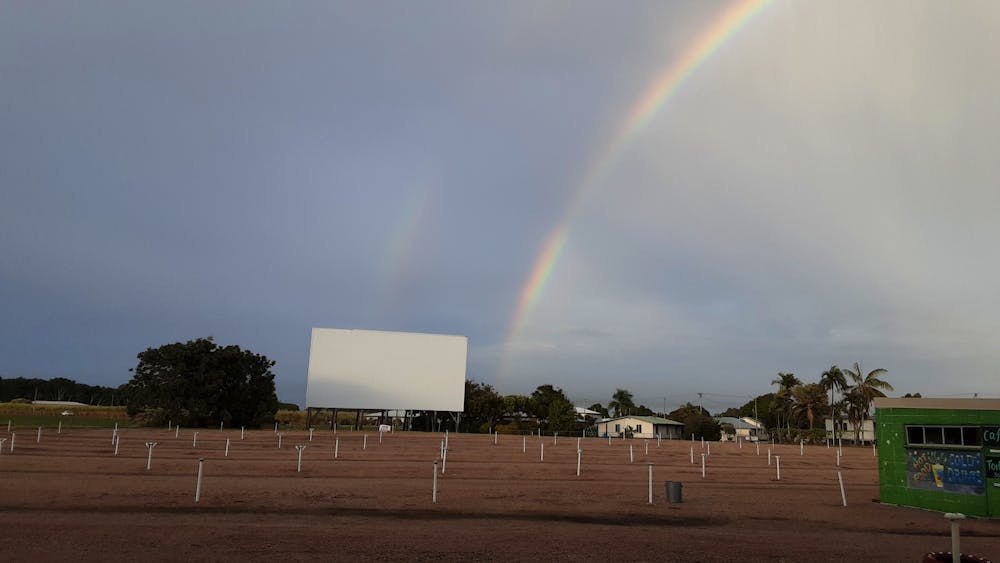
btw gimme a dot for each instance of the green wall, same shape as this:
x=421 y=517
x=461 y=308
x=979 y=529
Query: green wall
x=894 y=461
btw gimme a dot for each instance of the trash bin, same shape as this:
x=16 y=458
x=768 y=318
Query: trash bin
x=674 y=491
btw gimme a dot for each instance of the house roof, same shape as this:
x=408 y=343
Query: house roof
x=745 y=423
x=649 y=419
x=585 y=411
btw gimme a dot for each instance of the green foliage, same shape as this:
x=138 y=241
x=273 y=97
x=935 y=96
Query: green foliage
x=483 y=407
x=541 y=401
x=288 y=406
x=598 y=407
x=696 y=421
x=561 y=416
x=58 y=389
x=643 y=410
x=810 y=400
x=199 y=383
x=621 y=403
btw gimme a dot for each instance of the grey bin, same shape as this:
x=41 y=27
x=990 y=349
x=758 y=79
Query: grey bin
x=674 y=491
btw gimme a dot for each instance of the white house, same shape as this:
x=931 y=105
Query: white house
x=845 y=431
x=745 y=428
x=640 y=427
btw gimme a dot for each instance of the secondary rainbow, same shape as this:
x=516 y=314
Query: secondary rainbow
x=722 y=28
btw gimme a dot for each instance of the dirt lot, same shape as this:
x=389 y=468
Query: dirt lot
x=70 y=498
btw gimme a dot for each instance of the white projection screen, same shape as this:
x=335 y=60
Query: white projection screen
x=370 y=369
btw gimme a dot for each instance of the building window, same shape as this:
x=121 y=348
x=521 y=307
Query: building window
x=618 y=428
x=960 y=436
x=638 y=428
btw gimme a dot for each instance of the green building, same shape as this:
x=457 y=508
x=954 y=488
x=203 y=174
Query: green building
x=940 y=454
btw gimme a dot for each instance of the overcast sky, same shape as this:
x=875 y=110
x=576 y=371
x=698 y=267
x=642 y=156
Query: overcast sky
x=821 y=189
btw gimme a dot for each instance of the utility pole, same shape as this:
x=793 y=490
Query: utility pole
x=701 y=404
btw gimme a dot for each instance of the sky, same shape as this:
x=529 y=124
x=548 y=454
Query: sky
x=671 y=197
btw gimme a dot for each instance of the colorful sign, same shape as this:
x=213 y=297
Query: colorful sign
x=945 y=470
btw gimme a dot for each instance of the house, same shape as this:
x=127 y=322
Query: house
x=845 y=431
x=584 y=414
x=940 y=454
x=744 y=428
x=640 y=427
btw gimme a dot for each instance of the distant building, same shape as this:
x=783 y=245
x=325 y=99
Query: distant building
x=846 y=432
x=744 y=428
x=940 y=454
x=640 y=427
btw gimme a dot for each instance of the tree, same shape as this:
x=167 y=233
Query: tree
x=832 y=380
x=483 y=406
x=866 y=387
x=810 y=399
x=696 y=421
x=561 y=416
x=785 y=383
x=598 y=407
x=199 y=383
x=621 y=402
x=541 y=400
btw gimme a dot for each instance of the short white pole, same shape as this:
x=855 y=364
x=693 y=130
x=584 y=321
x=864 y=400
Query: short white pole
x=201 y=470
x=275 y=426
x=524 y=444
x=444 y=461
x=609 y=439
x=380 y=437
x=838 y=458
x=709 y=448
x=646 y=444
x=702 y=466
x=802 y=448
x=542 y=452
x=631 y=457
x=194 y=442
x=702 y=442
x=434 y=493
x=579 y=454
x=59 y=430
x=311 y=434
x=13 y=436
x=8 y=426
x=227 y=446
x=692 y=455
x=555 y=439
x=956 y=550
x=114 y=434
x=777 y=465
x=149 y=459
x=650 y=483
x=177 y=431
x=364 y=444
x=118 y=441
x=539 y=433
x=336 y=448
x=38 y=440
x=658 y=438
x=441 y=450
x=300 y=447
x=843 y=496
x=2 y=440
x=495 y=438
x=873 y=450
x=279 y=440
x=220 y=426
x=243 y=432
x=758 y=448
x=769 y=456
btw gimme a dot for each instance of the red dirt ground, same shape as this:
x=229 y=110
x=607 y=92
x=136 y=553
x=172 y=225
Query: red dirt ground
x=70 y=498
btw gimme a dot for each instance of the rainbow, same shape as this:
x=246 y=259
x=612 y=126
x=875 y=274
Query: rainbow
x=722 y=28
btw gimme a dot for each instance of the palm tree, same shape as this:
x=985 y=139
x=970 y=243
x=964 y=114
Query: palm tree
x=621 y=402
x=810 y=399
x=785 y=383
x=832 y=380
x=865 y=389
